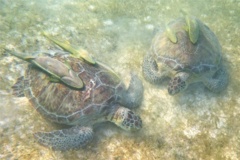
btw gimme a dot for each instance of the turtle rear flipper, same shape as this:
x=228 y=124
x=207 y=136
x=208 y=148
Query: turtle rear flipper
x=18 y=87
x=218 y=82
x=65 y=139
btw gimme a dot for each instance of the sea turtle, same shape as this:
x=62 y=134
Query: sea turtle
x=103 y=97
x=187 y=52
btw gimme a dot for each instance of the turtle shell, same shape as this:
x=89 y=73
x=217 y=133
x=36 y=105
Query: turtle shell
x=66 y=105
x=203 y=56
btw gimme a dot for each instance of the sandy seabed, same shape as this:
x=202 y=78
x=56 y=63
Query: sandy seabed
x=196 y=124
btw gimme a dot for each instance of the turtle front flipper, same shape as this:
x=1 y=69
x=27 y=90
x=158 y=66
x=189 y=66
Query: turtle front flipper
x=77 y=53
x=65 y=139
x=178 y=83
x=133 y=96
x=125 y=118
x=151 y=71
x=218 y=82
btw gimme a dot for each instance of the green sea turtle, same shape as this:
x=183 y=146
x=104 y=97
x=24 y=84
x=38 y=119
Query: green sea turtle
x=187 y=52
x=103 y=97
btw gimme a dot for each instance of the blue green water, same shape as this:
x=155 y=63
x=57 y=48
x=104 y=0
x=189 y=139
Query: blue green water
x=197 y=124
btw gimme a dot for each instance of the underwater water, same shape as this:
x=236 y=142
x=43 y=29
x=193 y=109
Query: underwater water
x=196 y=124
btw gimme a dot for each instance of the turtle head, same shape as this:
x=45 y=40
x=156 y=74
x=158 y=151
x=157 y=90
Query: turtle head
x=125 y=119
x=178 y=83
